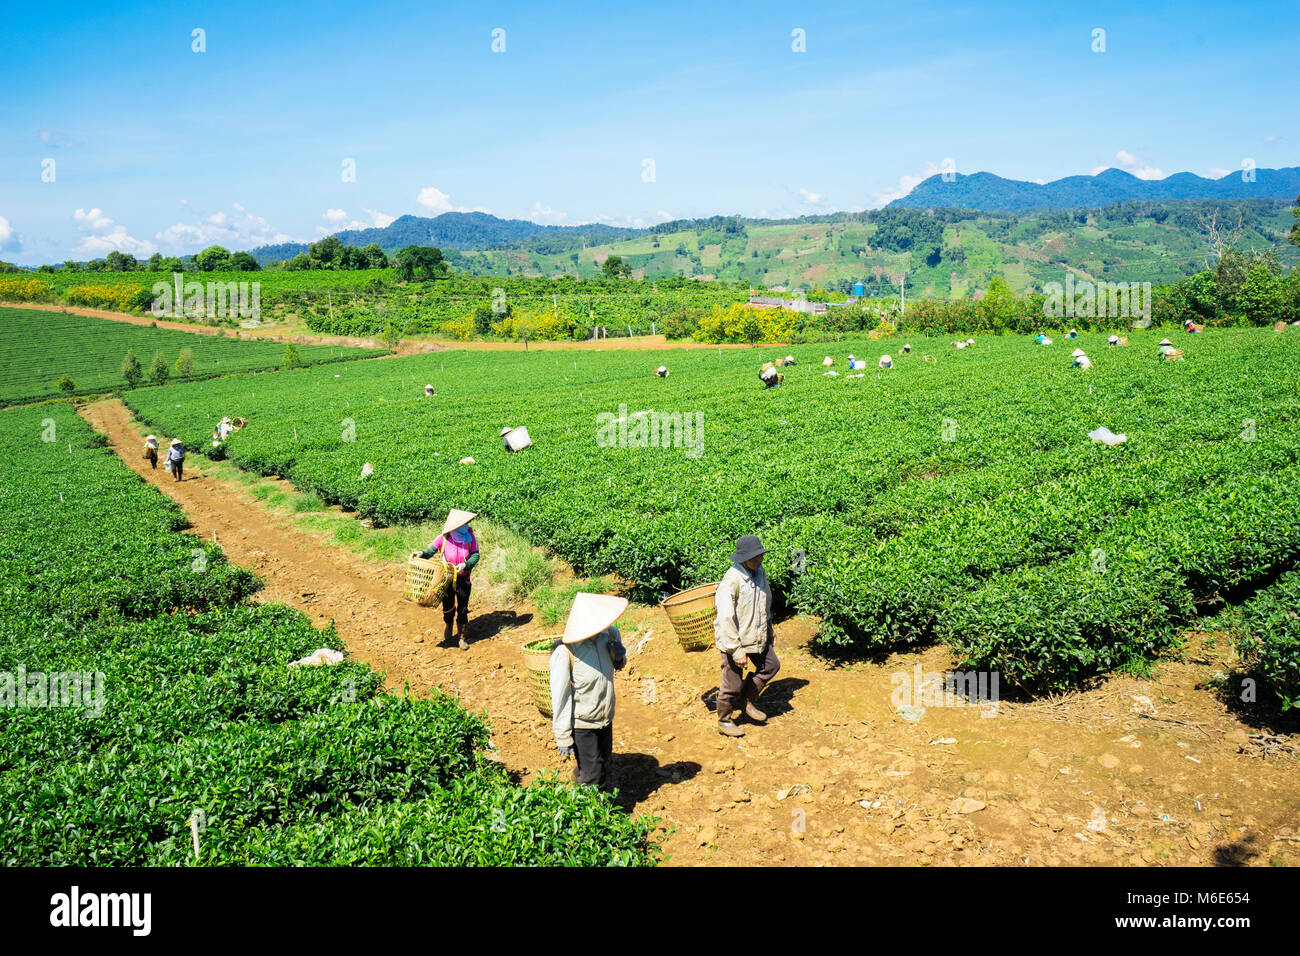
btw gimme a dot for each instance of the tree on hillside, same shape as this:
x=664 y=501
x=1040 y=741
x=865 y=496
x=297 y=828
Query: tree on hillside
x=298 y=263
x=243 y=262
x=185 y=363
x=66 y=385
x=131 y=370
x=213 y=259
x=159 y=371
x=614 y=267
x=120 y=262
x=326 y=253
x=1260 y=298
x=291 y=358
x=418 y=259
x=375 y=258
x=1294 y=234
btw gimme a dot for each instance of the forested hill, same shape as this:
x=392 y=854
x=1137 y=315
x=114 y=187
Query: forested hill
x=462 y=230
x=987 y=192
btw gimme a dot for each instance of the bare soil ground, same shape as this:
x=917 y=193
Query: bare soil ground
x=1131 y=772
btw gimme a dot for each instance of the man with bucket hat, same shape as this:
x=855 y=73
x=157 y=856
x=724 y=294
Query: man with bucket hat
x=744 y=635
x=459 y=548
x=582 y=684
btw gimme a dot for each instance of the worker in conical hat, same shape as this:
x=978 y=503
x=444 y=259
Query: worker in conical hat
x=151 y=450
x=459 y=548
x=662 y=371
x=582 y=685
x=175 y=461
x=429 y=392
x=744 y=635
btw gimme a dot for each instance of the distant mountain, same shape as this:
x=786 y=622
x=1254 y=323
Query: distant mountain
x=987 y=192
x=462 y=230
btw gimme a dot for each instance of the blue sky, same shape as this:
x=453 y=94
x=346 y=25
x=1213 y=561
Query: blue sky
x=157 y=147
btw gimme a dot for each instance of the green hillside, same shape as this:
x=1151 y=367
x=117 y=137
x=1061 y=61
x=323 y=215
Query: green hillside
x=944 y=253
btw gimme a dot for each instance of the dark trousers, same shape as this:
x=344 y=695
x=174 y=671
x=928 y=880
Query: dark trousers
x=455 y=606
x=732 y=691
x=177 y=468
x=594 y=749
x=153 y=459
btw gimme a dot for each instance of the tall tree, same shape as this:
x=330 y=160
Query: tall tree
x=213 y=259
x=131 y=370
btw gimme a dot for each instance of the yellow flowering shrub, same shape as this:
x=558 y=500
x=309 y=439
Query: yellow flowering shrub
x=743 y=323
x=24 y=289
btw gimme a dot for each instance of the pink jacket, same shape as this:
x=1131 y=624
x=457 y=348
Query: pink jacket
x=454 y=552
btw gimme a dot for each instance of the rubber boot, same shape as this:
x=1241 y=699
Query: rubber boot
x=460 y=637
x=446 y=633
x=750 y=695
x=728 y=727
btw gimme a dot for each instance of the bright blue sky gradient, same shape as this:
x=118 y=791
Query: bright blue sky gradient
x=243 y=144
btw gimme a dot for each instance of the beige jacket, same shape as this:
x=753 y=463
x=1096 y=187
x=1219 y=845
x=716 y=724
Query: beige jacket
x=582 y=684
x=744 y=602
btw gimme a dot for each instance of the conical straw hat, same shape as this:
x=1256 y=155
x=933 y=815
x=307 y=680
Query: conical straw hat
x=591 y=614
x=1165 y=342
x=457 y=519
x=1076 y=353
x=505 y=430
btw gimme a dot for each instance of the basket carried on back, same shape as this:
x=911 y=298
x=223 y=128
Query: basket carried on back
x=537 y=662
x=424 y=579
x=691 y=613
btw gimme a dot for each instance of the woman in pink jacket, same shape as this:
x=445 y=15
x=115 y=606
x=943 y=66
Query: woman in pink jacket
x=459 y=548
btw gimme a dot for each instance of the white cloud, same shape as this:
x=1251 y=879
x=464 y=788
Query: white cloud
x=56 y=139
x=905 y=185
x=9 y=241
x=631 y=222
x=1270 y=139
x=104 y=236
x=438 y=202
x=1217 y=173
x=242 y=230
x=1040 y=181
x=547 y=216
x=337 y=221
x=812 y=198
x=1134 y=165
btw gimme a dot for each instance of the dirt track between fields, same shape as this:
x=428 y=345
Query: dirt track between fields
x=836 y=776
x=405 y=347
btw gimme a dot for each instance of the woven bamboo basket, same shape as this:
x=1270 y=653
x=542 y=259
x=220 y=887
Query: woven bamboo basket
x=691 y=613
x=537 y=662
x=422 y=577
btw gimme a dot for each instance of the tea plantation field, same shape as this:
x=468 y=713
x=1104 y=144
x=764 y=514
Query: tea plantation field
x=197 y=725
x=955 y=498
x=38 y=347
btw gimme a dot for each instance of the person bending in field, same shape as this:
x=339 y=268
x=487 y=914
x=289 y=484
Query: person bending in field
x=459 y=548
x=151 y=450
x=175 y=462
x=744 y=635
x=770 y=377
x=582 y=685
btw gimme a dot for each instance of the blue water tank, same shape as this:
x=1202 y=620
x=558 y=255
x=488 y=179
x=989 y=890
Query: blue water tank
x=859 y=289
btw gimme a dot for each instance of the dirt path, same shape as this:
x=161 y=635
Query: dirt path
x=405 y=347
x=1162 y=771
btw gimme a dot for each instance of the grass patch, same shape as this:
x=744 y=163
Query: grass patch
x=553 y=601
